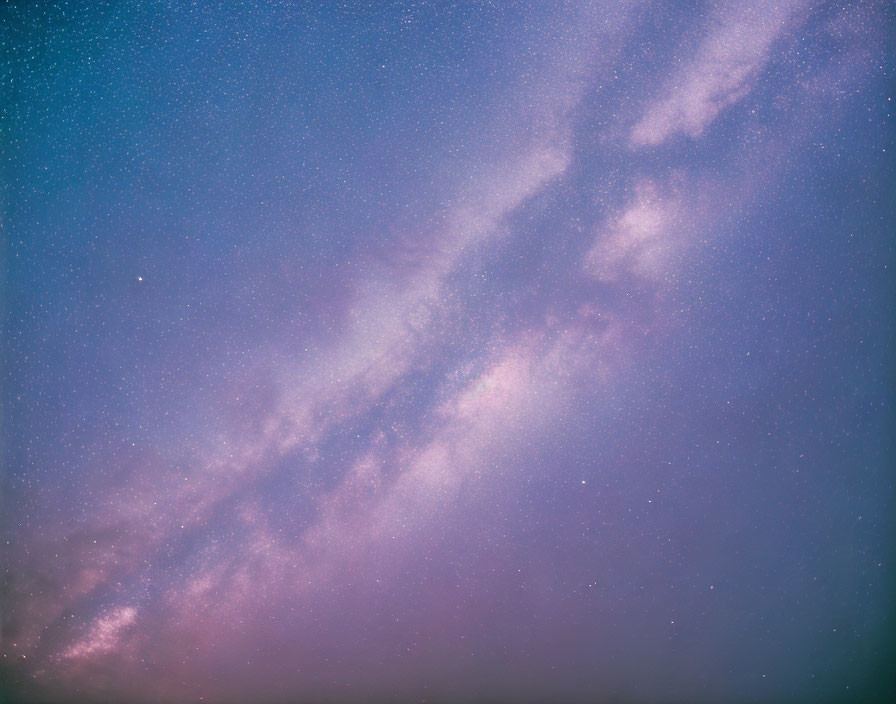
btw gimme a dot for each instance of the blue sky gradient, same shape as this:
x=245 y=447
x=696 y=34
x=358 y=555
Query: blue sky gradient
x=447 y=351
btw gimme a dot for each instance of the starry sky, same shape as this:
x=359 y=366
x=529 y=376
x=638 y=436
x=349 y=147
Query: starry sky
x=447 y=351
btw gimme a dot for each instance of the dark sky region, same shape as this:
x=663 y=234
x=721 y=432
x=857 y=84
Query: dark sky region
x=447 y=351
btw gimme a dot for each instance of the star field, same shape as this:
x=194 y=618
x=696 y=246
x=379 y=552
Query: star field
x=447 y=351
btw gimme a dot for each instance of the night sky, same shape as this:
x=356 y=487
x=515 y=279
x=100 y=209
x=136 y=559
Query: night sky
x=447 y=351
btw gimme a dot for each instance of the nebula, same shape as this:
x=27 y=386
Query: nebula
x=447 y=352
